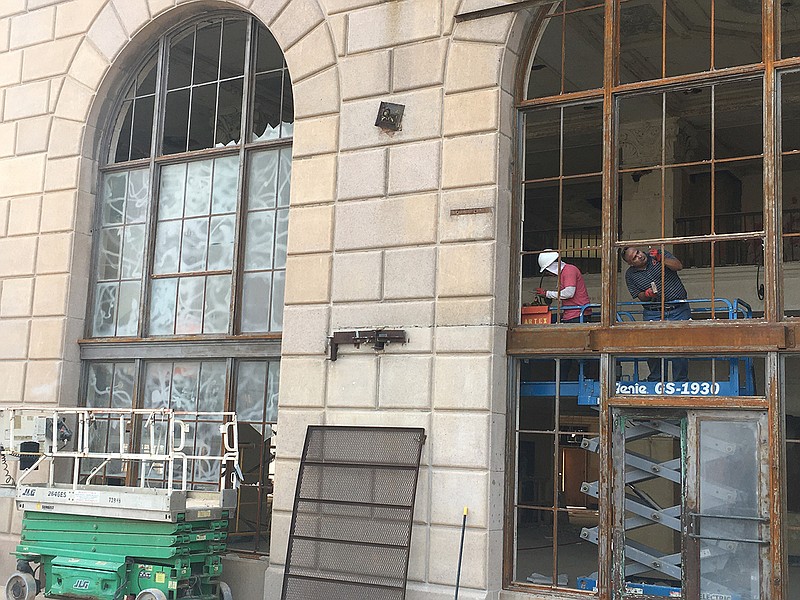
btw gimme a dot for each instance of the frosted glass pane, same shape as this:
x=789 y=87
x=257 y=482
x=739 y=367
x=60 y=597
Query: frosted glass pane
x=113 y=212
x=212 y=387
x=138 y=196
x=123 y=385
x=220 y=247
x=170 y=199
x=189 y=315
x=198 y=188
x=284 y=176
x=258 y=244
x=133 y=253
x=98 y=385
x=281 y=235
x=226 y=184
x=272 y=392
x=162 y=306
x=209 y=443
x=105 y=309
x=185 y=380
x=278 y=288
x=110 y=249
x=193 y=245
x=218 y=304
x=251 y=386
x=157 y=385
x=168 y=243
x=128 y=310
x=262 y=180
x=255 y=301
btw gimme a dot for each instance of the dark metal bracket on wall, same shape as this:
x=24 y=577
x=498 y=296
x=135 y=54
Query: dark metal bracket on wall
x=377 y=337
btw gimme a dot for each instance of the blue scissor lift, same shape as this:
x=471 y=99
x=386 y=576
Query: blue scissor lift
x=642 y=510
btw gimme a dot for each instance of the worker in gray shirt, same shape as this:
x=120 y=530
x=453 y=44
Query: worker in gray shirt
x=644 y=281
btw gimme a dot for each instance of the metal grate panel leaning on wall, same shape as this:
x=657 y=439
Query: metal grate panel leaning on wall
x=353 y=510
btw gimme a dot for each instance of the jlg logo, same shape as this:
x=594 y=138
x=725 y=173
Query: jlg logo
x=81 y=584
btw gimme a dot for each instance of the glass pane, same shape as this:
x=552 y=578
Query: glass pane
x=281 y=234
x=790 y=110
x=738 y=119
x=545 y=76
x=687 y=125
x=218 y=304
x=212 y=388
x=181 y=53
x=203 y=113
x=146 y=79
x=189 y=314
x=157 y=385
x=113 y=210
x=791 y=399
x=128 y=311
x=262 y=179
x=110 y=253
x=251 y=385
x=133 y=254
x=162 y=306
x=542 y=144
x=194 y=244
x=124 y=374
x=226 y=185
x=258 y=246
x=267 y=106
x=640 y=40
x=640 y=130
x=790 y=29
x=284 y=176
x=98 y=388
x=287 y=108
x=176 y=122
x=208 y=443
x=583 y=50
x=688 y=37
x=168 y=246
x=138 y=196
x=583 y=139
x=278 y=289
x=738 y=33
x=105 y=309
x=272 y=392
x=790 y=178
x=172 y=190
x=121 y=136
x=142 y=128
x=229 y=115
x=206 y=54
x=233 y=47
x=198 y=188
x=185 y=386
x=220 y=245
x=268 y=53
x=255 y=302
x=729 y=487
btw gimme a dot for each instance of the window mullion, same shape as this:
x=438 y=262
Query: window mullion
x=239 y=228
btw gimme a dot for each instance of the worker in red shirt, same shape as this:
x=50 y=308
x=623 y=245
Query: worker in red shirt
x=571 y=288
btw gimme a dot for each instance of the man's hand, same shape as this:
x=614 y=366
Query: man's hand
x=649 y=294
x=541 y=292
x=655 y=254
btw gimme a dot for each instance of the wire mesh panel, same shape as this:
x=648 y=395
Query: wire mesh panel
x=353 y=511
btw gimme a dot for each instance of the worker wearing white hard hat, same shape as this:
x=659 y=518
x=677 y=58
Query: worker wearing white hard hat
x=572 y=289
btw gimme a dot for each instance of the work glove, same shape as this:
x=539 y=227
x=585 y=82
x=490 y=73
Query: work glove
x=649 y=294
x=541 y=292
x=655 y=254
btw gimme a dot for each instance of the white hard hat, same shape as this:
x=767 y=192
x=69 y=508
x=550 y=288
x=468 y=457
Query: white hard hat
x=547 y=258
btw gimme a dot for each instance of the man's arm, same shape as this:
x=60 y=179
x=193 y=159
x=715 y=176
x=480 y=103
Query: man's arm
x=672 y=263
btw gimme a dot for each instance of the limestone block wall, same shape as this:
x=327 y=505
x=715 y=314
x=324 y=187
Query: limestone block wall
x=407 y=230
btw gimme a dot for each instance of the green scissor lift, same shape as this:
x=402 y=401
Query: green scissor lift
x=97 y=542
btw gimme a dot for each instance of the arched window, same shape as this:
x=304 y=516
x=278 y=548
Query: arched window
x=186 y=300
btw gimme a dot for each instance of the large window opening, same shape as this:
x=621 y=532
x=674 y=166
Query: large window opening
x=186 y=305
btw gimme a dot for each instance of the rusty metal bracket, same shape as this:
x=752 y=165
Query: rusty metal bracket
x=377 y=337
